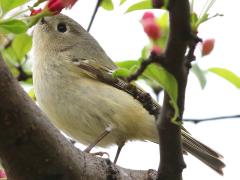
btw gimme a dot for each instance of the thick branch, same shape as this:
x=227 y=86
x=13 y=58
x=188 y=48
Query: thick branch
x=31 y=148
x=172 y=163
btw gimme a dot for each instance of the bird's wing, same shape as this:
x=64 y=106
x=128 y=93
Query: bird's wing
x=104 y=74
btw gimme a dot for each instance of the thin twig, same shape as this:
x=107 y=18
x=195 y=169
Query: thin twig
x=211 y=119
x=190 y=57
x=157 y=3
x=153 y=58
x=94 y=14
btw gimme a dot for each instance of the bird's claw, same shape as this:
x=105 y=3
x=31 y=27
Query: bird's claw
x=101 y=154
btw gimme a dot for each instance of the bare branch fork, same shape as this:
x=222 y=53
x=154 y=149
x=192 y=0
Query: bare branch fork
x=153 y=58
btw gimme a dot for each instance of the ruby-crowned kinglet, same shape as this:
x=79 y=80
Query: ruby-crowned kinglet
x=84 y=107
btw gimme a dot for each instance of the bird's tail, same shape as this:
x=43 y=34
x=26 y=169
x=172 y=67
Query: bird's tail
x=205 y=154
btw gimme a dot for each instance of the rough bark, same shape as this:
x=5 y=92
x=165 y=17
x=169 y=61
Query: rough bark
x=32 y=148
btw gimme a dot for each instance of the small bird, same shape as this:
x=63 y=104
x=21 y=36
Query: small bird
x=72 y=78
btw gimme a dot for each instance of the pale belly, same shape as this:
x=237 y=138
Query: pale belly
x=84 y=108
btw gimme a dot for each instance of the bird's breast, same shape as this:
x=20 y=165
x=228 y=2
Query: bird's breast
x=83 y=107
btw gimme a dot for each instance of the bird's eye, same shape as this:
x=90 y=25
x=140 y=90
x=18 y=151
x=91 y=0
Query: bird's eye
x=61 y=27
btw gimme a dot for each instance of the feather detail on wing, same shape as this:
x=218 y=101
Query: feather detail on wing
x=104 y=74
x=193 y=146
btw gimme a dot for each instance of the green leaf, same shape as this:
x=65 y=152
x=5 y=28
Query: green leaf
x=107 y=5
x=126 y=64
x=145 y=52
x=10 y=58
x=168 y=82
x=194 y=20
x=7 y=5
x=121 y=72
x=10 y=55
x=200 y=74
x=164 y=78
x=145 y=4
x=122 y=1
x=202 y=19
x=154 y=85
x=227 y=75
x=134 y=68
x=31 y=93
x=13 y=26
x=21 y=45
x=163 y=22
x=194 y=17
x=165 y=5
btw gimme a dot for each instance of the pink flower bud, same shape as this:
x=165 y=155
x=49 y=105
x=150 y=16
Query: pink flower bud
x=2 y=174
x=35 y=11
x=207 y=46
x=151 y=29
x=148 y=15
x=157 y=50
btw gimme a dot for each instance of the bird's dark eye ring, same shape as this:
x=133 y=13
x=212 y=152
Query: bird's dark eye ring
x=61 y=27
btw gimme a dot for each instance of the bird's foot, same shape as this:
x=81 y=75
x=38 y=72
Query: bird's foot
x=101 y=154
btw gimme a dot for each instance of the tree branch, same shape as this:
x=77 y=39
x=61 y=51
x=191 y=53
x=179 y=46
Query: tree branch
x=211 y=119
x=32 y=148
x=172 y=163
x=190 y=57
x=153 y=58
x=94 y=14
